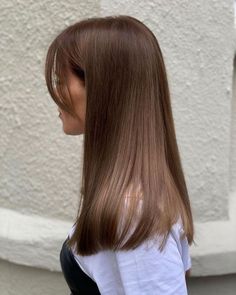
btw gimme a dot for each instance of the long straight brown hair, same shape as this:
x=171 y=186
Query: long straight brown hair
x=130 y=148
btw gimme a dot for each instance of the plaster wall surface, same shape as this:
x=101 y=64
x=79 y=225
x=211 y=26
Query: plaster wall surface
x=40 y=166
x=196 y=38
x=22 y=280
x=215 y=285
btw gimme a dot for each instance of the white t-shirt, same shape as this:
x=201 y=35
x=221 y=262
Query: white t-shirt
x=142 y=271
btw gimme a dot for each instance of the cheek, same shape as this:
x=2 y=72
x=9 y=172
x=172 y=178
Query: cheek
x=79 y=99
x=80 y=108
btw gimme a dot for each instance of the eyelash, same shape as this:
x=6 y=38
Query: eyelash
x=79 y=72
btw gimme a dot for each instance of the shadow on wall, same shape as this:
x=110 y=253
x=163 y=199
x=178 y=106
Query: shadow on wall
x=212 y=285
x=18 y=279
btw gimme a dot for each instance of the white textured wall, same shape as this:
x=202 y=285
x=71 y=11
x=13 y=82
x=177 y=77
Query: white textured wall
x=22 y=280
x=40 y=165
x=196 y=40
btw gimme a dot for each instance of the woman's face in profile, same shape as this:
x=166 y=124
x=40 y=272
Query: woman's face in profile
x=72 y=125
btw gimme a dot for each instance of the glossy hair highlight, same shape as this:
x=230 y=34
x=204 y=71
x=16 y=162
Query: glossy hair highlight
x=130 y=146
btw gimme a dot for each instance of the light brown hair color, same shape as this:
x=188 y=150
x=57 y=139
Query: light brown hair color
x=129 y=138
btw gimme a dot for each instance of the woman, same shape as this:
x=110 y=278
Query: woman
x=134 y=223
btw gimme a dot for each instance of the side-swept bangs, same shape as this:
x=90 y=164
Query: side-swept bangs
x=58 y=62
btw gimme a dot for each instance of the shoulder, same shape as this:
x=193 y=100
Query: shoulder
x=176 y=250
x=146 y=268
x=143 y=269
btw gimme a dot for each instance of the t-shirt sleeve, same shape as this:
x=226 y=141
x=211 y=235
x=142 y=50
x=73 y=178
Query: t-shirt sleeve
x=187 y=262
x=182 y=245
x=147 y=270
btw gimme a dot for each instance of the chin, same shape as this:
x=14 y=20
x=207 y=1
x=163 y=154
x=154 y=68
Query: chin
x=72 y=132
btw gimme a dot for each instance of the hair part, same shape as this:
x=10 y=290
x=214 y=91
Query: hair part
x=129 y=138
